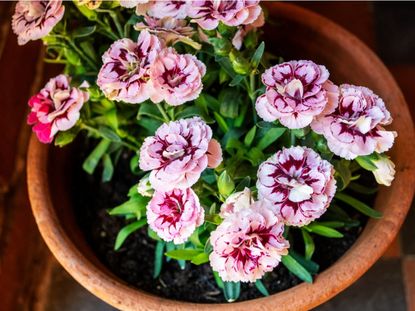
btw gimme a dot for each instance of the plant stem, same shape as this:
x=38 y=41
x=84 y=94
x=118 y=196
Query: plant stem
x=292 y=138
x=209 y=188
x=252 y=96
x=163 y=112
x=81 y=54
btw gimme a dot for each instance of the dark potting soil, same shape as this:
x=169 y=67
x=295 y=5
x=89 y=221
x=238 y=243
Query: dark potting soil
x=134 y=261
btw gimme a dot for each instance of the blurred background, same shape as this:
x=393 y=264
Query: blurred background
x=30 y=278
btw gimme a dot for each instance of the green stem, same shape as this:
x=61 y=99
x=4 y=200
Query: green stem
x=293 y=139
x=251 y=92
x=163 y=112
x=81 y=54
x=209 y=188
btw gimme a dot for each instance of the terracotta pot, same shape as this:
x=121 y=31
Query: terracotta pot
x=300 y=34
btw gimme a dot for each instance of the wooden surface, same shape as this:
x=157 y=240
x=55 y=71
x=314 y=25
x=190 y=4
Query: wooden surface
x=25 y=263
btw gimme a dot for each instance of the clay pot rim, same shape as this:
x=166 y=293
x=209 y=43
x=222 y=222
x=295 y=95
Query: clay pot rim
x=372 y=243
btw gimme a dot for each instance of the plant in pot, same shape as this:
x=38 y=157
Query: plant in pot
x=244 y=169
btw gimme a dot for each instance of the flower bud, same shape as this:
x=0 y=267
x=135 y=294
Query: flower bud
x=144 y=187
x=385 y=171
x=239 y=64
x=235 y=202
x=225 y=184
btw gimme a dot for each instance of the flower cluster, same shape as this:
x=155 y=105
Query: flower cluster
x=227 y=206
x=55 y=108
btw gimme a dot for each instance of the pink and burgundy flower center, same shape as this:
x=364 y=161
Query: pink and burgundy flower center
x=172 y=207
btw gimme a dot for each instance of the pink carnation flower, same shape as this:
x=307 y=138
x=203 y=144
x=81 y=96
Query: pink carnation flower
x=55 y=108
x=296 y=92
x=132 y=3
x=33 y=20
x=176 y=78
x=169 y=30
x=208 y=13
x=299 y=184
x=168 y=8
x=124 y=74
x=174 y=215
x=355 y=128
x=247 y=244
x=177 y=154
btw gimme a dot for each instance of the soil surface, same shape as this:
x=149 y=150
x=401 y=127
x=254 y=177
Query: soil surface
x=134 y=261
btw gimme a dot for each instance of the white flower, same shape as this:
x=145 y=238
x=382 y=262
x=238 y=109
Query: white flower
x=385 y=172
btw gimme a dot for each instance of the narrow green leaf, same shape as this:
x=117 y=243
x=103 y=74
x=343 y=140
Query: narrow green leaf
x=108 y=170
x=358 y=205
x=64 y=138
x=221 y=122
x=244 y=183
x=270 y=136
x=184 y=254
x=158 y=258
x=323 y=231
x=296 y=268
x=231 y=290
x=108 y=133
x=332 y=224
x=249 y=138
x=309 y=265
x=83 y=31
x=126 y=231
x=194 y=239
x=309 y=245
x=169 y=247
x=261 y=287
x=366 y=162
x=93 y=159
x=218 y=280
x=200 y=259
x=362 y=189
x=135 y=205
x=256 y=58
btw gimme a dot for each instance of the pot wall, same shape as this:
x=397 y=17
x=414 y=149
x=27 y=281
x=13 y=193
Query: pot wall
x=299 y=34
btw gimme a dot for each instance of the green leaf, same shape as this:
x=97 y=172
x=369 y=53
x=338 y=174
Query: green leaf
x=83 y=31
x=88 y=49
x=188 y=112
x=231 y=290
x=366 y=162
x=169 y=247
x=296 y=268
x=237 y=80
x=218 y=280
x=194 y=239
x=134 y=164
x=214 y=219
x=225 y=184
x=256 y=58
x=126 y=231
x=261 y=287
x=230 y=100
x=150 y=110
x=221 y=122
x=255 y=156
x=64 y=138
x=323 y=231
x=225 y=63
x=310 y=265
x=108 y=133
x=72 y=57
x=244 y=183
x=184 y=254
x=249 y=137
x=93 y=159
x=158 y=258
x=136 y=205
x=331 y=224
x=342 y=173
x=200 y=259
x=270 y=137
x=362 y=189
x=149 y=124
x=358 y=205
x=108 y=170
x=309 y=246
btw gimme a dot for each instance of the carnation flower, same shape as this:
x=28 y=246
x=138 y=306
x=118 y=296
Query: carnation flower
x=235 y=202
x=169 y=30
x=174 y=215
x=33 y=20
x=208 y=13
x=124 y=74
x=355 y=128
x=247 y=244
x=132 y=3
x=385 y=171
x=90 y=4
x=177 y=154
x=55 y=108
x=166 y=8
x=296 y=92
x=176 y=78
x=299 y=184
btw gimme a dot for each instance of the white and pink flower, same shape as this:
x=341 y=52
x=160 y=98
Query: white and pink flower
x=296 y=92
x=247 y=244
x=299 y=184
x=208 y=13
x=132 y=3
x=166 y=8
x=55 y=108
x=236 y=202
x=124 y=75
x=176 y=78
x=33 y=20
x=174 y=215
x=169 y=30
x=355 y=127
x=177 y=154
